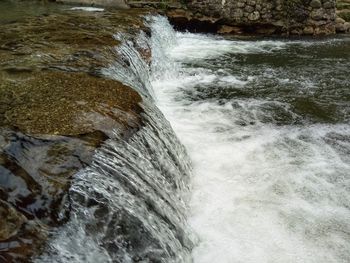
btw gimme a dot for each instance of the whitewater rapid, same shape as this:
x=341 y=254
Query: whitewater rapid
x=264 y=189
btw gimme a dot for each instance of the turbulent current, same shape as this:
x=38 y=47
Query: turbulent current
x=265 y=124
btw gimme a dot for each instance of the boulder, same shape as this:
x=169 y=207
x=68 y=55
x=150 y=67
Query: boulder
x=254 y=16
x=61 y=103
x=329 y=5
x=309 y=30
x=315 y=4
x=347 y=26
x=317 y=14
x=339 y=20
x=230 y=30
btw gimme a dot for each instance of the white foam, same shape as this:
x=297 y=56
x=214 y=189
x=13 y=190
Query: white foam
x=87 y=9
x=261 y=192
x=192 y=47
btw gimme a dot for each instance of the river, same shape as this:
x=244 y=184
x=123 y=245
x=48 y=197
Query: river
x=266 y=125
x=243 y=154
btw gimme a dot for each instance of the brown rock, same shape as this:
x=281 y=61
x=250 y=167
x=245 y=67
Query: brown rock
x=65 y=103
x=340 y=28
x=251 y=2
x=249 y=9
x=339 y=20
x=266 y=30
x=315 y=4
x=230 y=30
x=10 y=221
x=309 y=30
x=330 y=29
x=259 y=13
x=240 y=4
x=347 y=26
x=297 y=31
x=329 y=5
x=238 y=14
x=317 y=14
x=254 y=16
x=340 y=25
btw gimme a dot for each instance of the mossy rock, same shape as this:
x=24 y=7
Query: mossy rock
x=345 y=14
x=61 y=103
x=343 y=5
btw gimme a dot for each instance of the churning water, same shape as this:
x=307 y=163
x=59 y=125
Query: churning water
x=266 y=126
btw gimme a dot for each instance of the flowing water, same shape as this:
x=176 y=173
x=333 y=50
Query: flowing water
x=129 y=205
x=258 y=167
x=266 y=125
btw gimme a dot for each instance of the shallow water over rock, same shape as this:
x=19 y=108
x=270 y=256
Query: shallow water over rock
x=63 y=103
x=55 y=111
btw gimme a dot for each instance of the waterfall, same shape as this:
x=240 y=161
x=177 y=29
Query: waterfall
x=130 y=205
x=270 y=173
x=131 y=68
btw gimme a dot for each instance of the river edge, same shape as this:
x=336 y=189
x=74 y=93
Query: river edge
x=286 y=18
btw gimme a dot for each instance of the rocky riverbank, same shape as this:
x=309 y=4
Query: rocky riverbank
x=343 y=16
x=55 y=110
x=265 y=17
x=258 y=17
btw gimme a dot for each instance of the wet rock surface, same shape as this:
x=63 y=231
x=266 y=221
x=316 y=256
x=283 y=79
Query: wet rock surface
x=55 y=110
x=70 y=41
x=65 y=103
x=35 y=178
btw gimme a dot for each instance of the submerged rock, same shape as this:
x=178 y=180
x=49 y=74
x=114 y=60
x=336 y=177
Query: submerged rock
x=63 y=103
x=342 y=26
